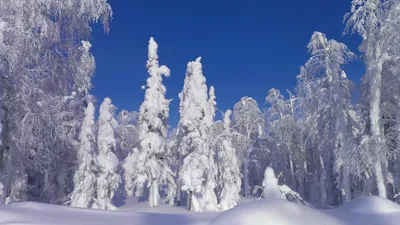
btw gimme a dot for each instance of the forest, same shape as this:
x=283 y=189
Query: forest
x=319 y=146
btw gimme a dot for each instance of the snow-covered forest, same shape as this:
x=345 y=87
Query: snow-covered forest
x=318 y=147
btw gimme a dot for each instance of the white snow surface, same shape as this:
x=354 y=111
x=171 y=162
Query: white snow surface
x=371 y=205
x=366 y=210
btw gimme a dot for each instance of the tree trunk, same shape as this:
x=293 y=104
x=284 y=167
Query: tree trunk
x=322 y=181
x=154 y=195
x=178 y=183
x=189 y=200
x=292 y=171
x=246 y=172
x=6 y=158
x=346 y=185
x=376 y=132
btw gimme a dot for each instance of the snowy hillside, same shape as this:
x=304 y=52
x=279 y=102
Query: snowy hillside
x=362 y=211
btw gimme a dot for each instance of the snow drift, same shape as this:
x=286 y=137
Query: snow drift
x=371 y=205
x=273 y=211
x=367 y=210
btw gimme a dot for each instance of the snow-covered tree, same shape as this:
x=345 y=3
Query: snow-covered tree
x=149 y=163
x=42 y=60
x=283 y=129
x=85 y=177
x=248 y=122
x=271 y=189
x=197 y=171
x=127 y=132
x=270 y=184
x=377 y=22
x=108 y=178
x=228 y=168
x=325 y=98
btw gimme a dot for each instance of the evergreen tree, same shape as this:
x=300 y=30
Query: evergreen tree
x=85 y=177
x=228 y=168
x=197 y=172
x=108 y=178
x=149 y=163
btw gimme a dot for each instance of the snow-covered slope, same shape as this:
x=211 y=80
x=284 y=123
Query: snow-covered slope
x=371 y=205
x=29 y=213
x=274 y=211
x=369 y=210
x=362 y=211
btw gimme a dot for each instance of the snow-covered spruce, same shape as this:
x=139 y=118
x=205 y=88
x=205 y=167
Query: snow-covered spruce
x=148 y=163
x=198 y=170
x=108 y=178
x=85 y=178
x=228 y=168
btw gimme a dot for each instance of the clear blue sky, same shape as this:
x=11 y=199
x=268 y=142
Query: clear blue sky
x=247 y=46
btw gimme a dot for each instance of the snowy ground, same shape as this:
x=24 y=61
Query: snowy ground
x=362 y=211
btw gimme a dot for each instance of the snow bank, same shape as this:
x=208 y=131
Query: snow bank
x=29 y=213
x=371 y=205
x=367 y=210
x=273 y=211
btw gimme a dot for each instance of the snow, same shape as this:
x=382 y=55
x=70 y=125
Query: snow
x=275 y=211
x=86 y=45
x=367 y=210
x=371 y=205
x=272 y=211
x=133 y=213
x=270 y=184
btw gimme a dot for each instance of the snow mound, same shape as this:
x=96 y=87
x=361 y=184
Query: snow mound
x=32 y=213
x=370 y=205
x=362 y=211
x=273 y=211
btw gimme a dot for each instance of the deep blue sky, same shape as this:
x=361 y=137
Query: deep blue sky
x=247 y=46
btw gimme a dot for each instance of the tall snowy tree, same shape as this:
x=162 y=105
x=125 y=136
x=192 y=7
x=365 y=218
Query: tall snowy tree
x=149 y=162
x=228 y=168
x=108 y=178
x=283 y=129
x=85 y=177
x=42 y=60
x=324 y=92
x=248 y=122
x=377 y=22
x=197 y=171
